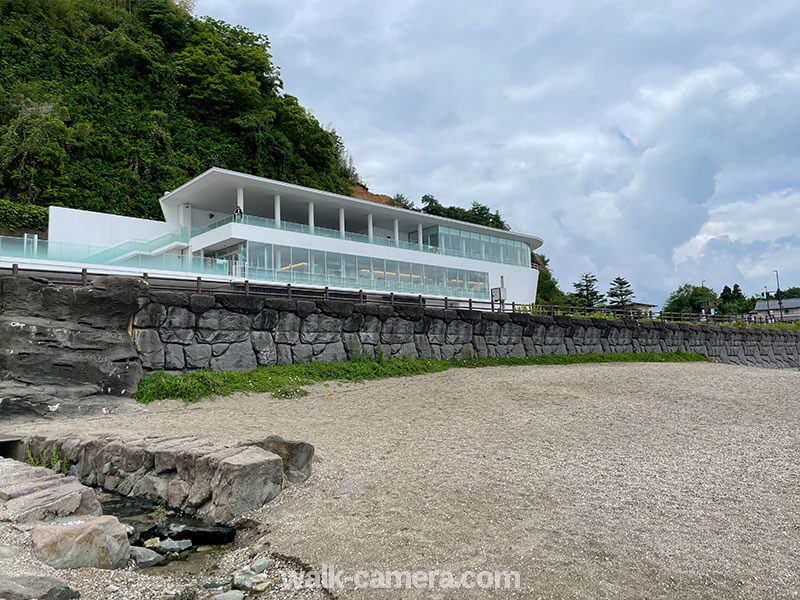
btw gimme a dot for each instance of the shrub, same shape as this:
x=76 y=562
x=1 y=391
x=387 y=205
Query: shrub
x=22 y=217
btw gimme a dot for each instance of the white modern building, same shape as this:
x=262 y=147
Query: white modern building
x=288 y=234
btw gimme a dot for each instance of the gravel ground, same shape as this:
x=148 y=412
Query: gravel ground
x=592 y=481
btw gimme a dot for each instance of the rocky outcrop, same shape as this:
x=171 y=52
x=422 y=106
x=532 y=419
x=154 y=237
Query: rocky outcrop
x=63 y=347
x=32 y=587
x=215 y=483
x=29 y=494
x=98 y=542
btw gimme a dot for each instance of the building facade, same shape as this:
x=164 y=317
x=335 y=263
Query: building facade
x=229 y=226
x=771 y=310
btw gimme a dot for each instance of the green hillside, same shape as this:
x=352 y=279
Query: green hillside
x=105 y=104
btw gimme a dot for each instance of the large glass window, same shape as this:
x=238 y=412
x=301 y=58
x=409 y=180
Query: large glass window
x=349 y=270
x=378 y=273
x=317 y=263
x=364 y=271
x=283 y=263
x=455 y=242
x=315 y=267
x=333 y=264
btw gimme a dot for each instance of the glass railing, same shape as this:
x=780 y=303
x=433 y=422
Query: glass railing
x=365 y=283
x=62 y=252
x=144 y=246
x=348 y=235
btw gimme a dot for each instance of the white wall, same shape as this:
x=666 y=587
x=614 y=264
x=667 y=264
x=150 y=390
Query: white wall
x=520 y=282
x=100 y=229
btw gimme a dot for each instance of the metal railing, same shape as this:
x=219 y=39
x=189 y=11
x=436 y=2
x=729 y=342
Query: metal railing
x=361 y=296
x=632 y=313
x=247 y=287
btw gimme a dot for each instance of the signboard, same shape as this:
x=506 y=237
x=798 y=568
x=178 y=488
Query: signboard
x=499 y=294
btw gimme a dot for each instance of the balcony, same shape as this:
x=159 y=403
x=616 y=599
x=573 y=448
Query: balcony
x=351 y=236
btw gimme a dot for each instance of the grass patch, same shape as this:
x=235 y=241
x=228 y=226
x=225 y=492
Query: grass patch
x=288 y=381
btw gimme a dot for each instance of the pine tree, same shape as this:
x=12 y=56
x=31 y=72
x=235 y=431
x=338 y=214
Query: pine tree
x=586 y=291
x=620 y=293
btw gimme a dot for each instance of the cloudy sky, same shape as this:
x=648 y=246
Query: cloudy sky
x=659 y=141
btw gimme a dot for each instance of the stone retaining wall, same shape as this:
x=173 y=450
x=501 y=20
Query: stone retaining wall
x=178 y=331
x=77 y=350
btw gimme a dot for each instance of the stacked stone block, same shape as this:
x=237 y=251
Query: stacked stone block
x=179 y=331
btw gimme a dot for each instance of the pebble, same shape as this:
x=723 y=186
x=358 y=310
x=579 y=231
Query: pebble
x=344 y=488
x=261 y=565
x=231 y=595
x=173 y=545
x=7 y=552
x=252 y=583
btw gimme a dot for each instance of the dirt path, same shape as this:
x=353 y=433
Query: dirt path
x=615 y=480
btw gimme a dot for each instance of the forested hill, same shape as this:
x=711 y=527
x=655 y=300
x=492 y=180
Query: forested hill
x=105 y=104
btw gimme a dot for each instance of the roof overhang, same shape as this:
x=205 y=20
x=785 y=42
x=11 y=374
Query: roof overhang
x=215 y=188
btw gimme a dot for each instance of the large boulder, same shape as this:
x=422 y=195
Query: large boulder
x=244 y=481
x=29 y=494
x=296 y=456
x=98 y=542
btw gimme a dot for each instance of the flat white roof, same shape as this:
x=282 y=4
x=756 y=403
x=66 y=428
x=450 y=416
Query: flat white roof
x=214 y=190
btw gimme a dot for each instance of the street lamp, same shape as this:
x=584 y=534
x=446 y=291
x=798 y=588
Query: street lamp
x=780 y=302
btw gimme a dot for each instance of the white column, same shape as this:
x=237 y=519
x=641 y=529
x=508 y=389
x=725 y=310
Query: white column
x=240 y=198
x=369 y=226
x=277 y=209
x=341 y=222
x=396 y=232
x=185 y=215
x=419 y=235
x=311 y=216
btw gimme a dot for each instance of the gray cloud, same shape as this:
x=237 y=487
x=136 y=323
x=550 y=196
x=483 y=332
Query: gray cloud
x=655 y=142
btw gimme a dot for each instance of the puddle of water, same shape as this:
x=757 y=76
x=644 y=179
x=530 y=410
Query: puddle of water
x=153 y=520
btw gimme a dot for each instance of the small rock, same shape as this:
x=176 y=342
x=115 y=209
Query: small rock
x=216 y=584
x=128 y=529
x=152 y=543
x=261 y=565
x=252 y=583
x=231 y=595
x=174 y=545
x=344 y=488
x=30 y=586
x=145 y=557
x=7 y=552
x=112 y=588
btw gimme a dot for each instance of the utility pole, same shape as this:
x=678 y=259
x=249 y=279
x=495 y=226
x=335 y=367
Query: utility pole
x=780 y=302
x=766 y=297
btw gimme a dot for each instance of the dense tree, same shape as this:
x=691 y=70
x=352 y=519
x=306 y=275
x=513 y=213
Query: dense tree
x=478 y=213
x=401 y=201
x=792 y=292
x=733 y=301
x=104 y=104
x=547 y=292
x=620 y=293
x=691 y=299
x=586 y=293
